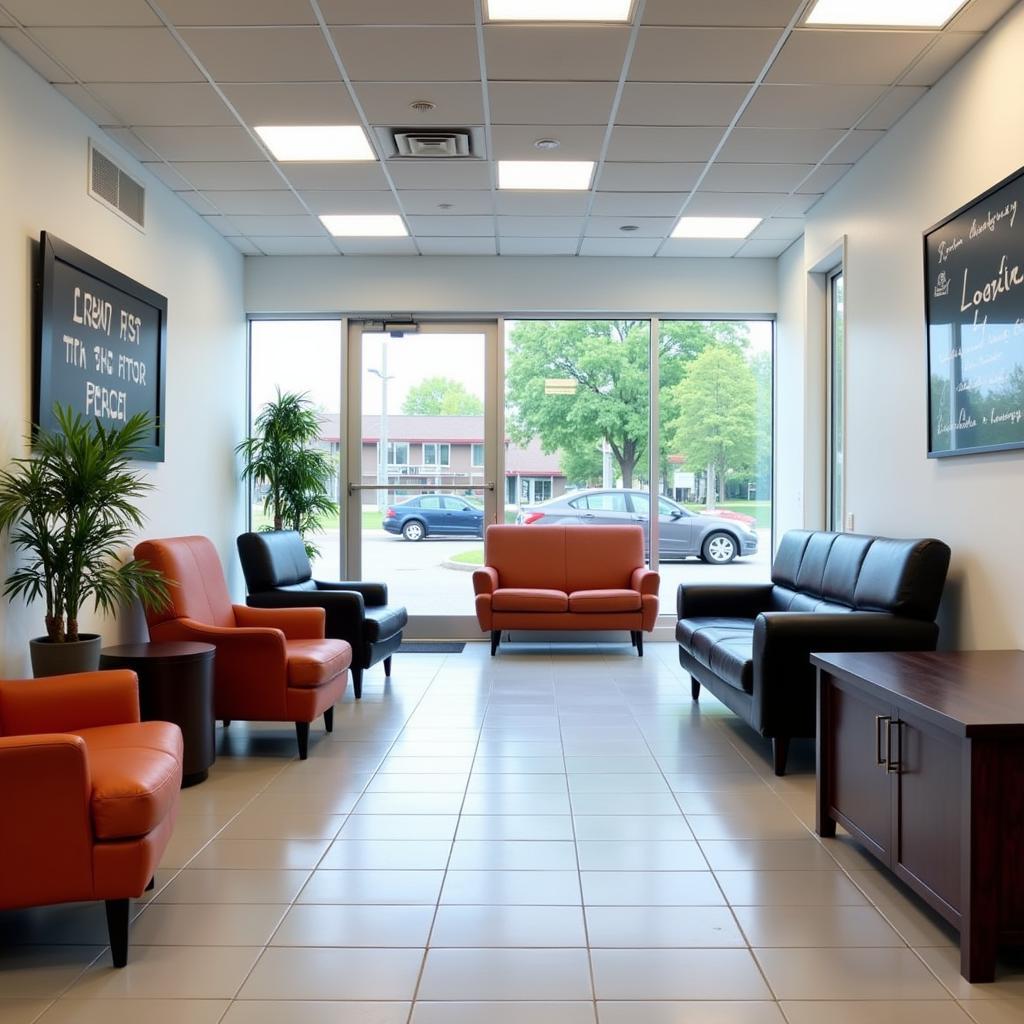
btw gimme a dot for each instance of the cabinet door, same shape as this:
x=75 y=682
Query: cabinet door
x=860 y=792
x=929 y=801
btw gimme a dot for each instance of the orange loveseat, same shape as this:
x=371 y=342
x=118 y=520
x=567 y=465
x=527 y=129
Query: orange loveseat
x=566 y=577
x=88 y=794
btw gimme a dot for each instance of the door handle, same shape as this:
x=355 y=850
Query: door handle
x=588 y=515
x=881 y=761
x=891 y=766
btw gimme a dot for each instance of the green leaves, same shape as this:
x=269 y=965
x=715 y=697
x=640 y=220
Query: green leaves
x=441 y=396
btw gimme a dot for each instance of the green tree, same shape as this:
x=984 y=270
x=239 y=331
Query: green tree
x=717 y=423
x=441 y=396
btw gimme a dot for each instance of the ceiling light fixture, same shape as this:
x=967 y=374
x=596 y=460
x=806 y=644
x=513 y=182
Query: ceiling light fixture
x=715 y=227
x=884 y=13
x=559 y=10
x=545 y=175
x=316 y=143
x=378 y=225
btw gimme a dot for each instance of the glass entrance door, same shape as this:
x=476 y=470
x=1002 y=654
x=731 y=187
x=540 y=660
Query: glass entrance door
x=422 y=465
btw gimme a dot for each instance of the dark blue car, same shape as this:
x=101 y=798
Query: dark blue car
x=434 y=515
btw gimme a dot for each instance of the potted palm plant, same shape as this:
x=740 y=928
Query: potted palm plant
x=282 y=458
x=71 y=507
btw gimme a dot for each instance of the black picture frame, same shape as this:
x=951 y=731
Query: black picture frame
x=54 y=251
x=935 y=452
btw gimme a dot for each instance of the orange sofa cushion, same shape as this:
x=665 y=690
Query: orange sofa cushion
x=604 y=601
x=136 y=774
x=525 y=599
x=312 y=663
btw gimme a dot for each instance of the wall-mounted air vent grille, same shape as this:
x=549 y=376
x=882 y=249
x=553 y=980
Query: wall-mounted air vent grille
x=431 y=143
x=115 y=188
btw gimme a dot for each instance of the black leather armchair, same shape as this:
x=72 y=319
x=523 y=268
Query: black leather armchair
x=750 y=644
x=278 y=575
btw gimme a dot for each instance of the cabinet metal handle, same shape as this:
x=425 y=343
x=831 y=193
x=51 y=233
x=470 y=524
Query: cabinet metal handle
x=881 y=761
x=891 y=766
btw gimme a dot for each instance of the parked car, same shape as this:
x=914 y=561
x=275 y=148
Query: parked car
x=682 y=533
x=725 y=513
x=431 y=515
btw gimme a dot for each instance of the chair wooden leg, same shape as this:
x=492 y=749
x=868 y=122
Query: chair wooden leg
x=387 y=667
x=694 y=688
x=302 y=735
x=632 y=637
x=780 y=752
x=357 y=682
x=640 y=643
x=117 y=930
x=329 y=720
x=495 y=640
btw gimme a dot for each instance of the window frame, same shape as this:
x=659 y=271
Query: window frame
x=835 y=410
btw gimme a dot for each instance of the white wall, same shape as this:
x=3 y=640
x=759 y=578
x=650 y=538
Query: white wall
x=961 y=138
x=43 y=146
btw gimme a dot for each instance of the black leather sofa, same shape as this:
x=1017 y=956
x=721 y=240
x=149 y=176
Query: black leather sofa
x=749 y=644
x=278 y=575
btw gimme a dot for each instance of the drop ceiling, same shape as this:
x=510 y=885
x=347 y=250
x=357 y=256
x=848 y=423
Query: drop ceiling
x=724 y=108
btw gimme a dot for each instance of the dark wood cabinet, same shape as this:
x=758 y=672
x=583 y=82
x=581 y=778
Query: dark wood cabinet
x=921 y=758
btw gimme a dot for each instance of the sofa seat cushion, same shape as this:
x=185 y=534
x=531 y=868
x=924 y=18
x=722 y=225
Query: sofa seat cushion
x=136 y=774
x=384 y=621
x=610 y=600
x=732 y=660
x=526 y=599
x=724 y=645
x=312 y=663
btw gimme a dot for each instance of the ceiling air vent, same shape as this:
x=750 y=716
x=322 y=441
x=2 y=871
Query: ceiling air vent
x=431 y=143
x=116 y=189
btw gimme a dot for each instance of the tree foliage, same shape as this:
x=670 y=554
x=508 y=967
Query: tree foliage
x=441 y=396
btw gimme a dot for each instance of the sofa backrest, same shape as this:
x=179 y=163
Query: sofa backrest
x=565 y=558
x=274 y=560
x=822 y=571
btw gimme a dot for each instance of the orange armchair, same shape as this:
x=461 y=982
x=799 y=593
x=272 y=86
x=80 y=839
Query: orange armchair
x=272 y=664
x=88 y=794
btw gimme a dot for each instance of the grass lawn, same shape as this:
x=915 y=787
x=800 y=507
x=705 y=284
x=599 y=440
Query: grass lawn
x=760 y=510
x=474 y=557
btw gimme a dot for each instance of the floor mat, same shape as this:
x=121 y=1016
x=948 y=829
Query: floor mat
x=431 y=647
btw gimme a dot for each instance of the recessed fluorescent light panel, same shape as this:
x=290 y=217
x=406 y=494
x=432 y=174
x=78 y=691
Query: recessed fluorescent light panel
x=559 y=10
x=317 y=143
x=884 y=13
x=715 y=227
x=546 y=175
x=384 y=225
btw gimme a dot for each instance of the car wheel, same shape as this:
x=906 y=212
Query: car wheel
x=719 y=549
x=413 y=530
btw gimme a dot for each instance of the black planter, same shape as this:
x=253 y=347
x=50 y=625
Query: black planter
x=51 y=659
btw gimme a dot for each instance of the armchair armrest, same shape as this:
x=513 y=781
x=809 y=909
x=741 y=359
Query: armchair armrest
x=647 y=581
x=262 y=642
x=345 y=610
x=485 y=580
x=65 y=703
x=303 y=623
x=729 y=600
x=374 y=595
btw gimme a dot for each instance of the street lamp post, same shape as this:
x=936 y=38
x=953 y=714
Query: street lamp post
x=382 y=461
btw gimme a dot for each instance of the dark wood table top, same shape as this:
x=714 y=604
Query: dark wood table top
x=166 y=651
x=969 y=693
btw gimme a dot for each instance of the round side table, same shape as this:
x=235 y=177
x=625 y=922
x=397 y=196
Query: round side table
x=175 y=685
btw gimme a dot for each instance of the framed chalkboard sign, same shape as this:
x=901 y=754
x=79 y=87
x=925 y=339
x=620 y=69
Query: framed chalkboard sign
x=101 y=343
x=974 y=307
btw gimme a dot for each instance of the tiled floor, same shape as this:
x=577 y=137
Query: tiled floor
x=555 y=836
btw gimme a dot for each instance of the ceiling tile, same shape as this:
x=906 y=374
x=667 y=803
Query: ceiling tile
x=5 y=20
x=200 y=143
x=810 y=106
x=779 y=228
x=795 y=206
x=263 y=54
x=552 y=102
x=824 y=178
x=728 y=177
x=350 y=201
x=292 y=103
x=364 y=177
x=778 y=145
x=239 y=12
x=542 y=204
x=701 y=54
x=119 y=54
x=646 y=227
x=458 y=103
x=949 y=48
x=448 y=225
x=168 y=175
x=668 y=144
x=83 y=98
x=377 y=246
x=261 y=201
x=33 y=13
x=631 y=246
x=894 y=105
x=398 y=12
x=742 y=13
x=854 y=146
x=638 y=204
x=457 y=246
x=579 y=53
x=850 y=58
x=669 y=103
x=764 y=248
x=577 y=142
x=221 y=224
x=34 y=56
x=539 y=246
x=388 y=54
x=267 y=227
x=166 y=103
x=199 y=204
x=243 y=245
x=228 y=175
x=296 y=246
x=648 y=177
x=429 y=202
x=440 y=174
x=128 y=140
x=539 y=227
x=981 y=15
x=733 y=204
x=701 y=247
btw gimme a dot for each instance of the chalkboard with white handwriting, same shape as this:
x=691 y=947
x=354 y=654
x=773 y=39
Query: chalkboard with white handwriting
x=101 y=343
x=974 y=304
